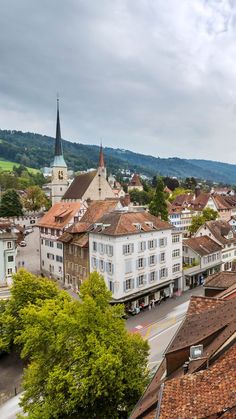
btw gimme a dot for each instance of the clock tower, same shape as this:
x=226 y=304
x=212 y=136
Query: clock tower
x=59 y=182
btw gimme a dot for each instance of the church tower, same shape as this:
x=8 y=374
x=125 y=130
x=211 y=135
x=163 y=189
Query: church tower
x=59 y=182
x=101 y=164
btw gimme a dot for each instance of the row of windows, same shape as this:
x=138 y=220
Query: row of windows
x=103 y=248
x=102 y=266
x=50 y=256
x=76 y=250
x=211 y=258
x=77 y=268
x=52 y=231
x=50 y=243
x=141 y=280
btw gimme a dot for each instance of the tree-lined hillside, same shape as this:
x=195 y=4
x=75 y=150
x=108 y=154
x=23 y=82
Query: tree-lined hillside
x=36 y=151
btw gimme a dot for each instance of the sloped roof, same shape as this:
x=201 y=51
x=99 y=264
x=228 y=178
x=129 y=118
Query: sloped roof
x=201 y=200
x=220 y=229
x=204 y=317
x=129 y=222
x=97 y=209
x=183 y=199
x=198 y=304
x=79 y=185
x=60 y=214
x=203 y=245
x=135 y=181
x=198 y=326
x=221 y=203
x=204 y=393
x=222 y=280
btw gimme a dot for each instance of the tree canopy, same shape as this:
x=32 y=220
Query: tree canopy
x=158 y=206
x=198 y=220
x=82 y=362
x=34 y=198
x=10 y=204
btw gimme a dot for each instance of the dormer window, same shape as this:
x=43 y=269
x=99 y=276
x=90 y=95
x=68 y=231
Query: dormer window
x=149 y=223
x=138 y=226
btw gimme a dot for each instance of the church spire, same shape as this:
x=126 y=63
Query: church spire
x=101 y=162
x=58 y=143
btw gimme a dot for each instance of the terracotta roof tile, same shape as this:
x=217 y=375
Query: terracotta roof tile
x=204 y=393
x=220 y=230
x=183 y=199
x=60 y=214
x=224 y=279
x=198 y=304
x=201 y=200
x=79 y=185
x=221 y=202
x=203 y=245
x=129 y=222
x=97 y=209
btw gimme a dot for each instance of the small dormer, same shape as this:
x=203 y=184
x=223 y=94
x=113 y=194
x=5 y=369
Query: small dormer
x=149 y=224
x=230 y=235
x=138 y=226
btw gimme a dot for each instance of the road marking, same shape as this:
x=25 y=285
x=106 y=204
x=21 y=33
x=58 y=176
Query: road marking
x=164 y=331
x=148 y=332
x=139 y=327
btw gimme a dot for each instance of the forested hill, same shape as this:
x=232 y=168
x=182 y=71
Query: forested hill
x=36 y=150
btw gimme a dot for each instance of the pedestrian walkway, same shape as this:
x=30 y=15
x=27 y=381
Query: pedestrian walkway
x=147 y=316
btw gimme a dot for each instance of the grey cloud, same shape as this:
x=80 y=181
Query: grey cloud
x=152 y=76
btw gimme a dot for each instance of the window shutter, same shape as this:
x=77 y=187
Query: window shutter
x=155 y=242
x=144 y=262
x=136 y=263
x=139 y=246
x=132 y=247
x=137 y=281
x=112 y=269
x=132 y=283
x=144 y=245
x=165 y=241
x=124 y=249
x=107 y=267
x=144 y=279
x=124 y=286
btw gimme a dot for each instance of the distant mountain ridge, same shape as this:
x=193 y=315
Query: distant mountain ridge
x=37 y=150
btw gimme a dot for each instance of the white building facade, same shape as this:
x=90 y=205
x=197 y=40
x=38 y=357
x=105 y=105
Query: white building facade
x=7 y=255
x=138 y=267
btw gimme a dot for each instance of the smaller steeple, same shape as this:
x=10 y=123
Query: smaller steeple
x=101 y=162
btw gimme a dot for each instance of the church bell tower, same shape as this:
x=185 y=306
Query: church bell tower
x=59 y=182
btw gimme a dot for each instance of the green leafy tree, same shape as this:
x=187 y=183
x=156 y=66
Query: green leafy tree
x=177 y=192
x=208 y=214
x=83 y=361
x=27 y=289
x=10 y=204
x=158 y=206
x=34 y=198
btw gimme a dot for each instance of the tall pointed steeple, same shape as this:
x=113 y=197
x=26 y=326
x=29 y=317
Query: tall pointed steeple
x=101 y=162
x=58 y=144
x=58 y=153
x=59 y=182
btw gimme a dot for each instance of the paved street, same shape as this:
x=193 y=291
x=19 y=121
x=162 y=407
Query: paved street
x=159 y=325
x=29 y=256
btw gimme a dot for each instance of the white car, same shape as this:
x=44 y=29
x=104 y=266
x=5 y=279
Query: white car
x=23 y=243
x=28 y=230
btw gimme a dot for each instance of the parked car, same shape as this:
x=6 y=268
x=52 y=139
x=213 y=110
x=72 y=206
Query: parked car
x=28 y=230
x=22 y=243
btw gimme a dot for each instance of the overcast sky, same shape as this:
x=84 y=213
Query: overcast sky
x=153 y=76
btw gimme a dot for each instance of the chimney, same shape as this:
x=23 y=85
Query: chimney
x=126 y=200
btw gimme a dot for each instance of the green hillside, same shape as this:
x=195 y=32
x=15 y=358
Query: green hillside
x=8 y=165
x=35 y=150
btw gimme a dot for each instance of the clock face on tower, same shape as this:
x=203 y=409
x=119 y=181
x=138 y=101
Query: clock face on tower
x=60 y=175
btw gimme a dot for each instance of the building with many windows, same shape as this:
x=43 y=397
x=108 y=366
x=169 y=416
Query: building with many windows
x=7 y=252
x=51 y=226
x=139 y=256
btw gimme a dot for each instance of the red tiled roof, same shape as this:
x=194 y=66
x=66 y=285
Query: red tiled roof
x=203 y=245
x=202 y=394
x=220 y=230
x=183 y=199
x=199 y=304
x=224 y=279
x=201 y=200
x=221 y=203
x=128 y=222
x=60 y=214
x=97 y=209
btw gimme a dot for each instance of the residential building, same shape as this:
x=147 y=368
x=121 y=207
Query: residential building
x=223 y=233
x=139 y=256
x=75 y=241
x=8 y=240
x=202 y=256
x=181 y=218
x=92 y=185
x=51 y=226
x=135 y=183
x=200 y=360
x=59 y=181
